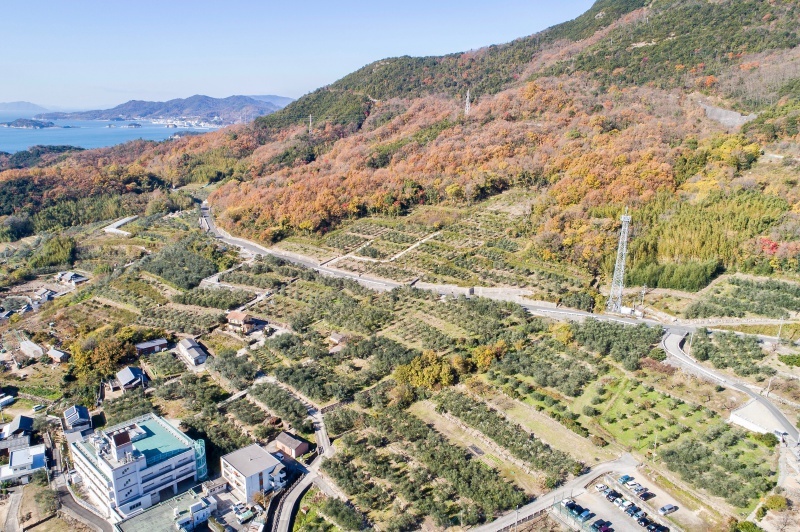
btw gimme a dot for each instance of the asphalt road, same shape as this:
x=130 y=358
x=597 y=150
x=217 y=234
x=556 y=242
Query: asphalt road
x=672 y=345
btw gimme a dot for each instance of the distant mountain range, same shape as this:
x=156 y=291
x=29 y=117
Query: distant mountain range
x=280 y=101
x=21 y=107
x=230 y=110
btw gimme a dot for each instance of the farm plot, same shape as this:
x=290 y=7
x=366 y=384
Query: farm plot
x=182 y=321
x=739 y=297
x=556 y=464
x=726 y=350
x=399 y=458
x=689 y=439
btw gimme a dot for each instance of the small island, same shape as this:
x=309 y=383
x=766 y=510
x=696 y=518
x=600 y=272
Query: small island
x=133 y=125
x=27 y=123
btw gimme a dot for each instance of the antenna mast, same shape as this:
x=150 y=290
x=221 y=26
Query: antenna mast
x=618 y=282
x=466 y=105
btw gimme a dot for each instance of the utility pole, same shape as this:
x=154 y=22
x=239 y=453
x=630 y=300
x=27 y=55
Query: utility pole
x=618 y=282
x=466 y=105
x=780 y=329
x=309 y=125
x=644 y=291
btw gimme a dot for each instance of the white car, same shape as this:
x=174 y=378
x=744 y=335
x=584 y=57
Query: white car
x=567 y=502
x=600 y=487
x=625 y=504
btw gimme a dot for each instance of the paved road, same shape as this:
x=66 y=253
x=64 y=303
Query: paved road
x=672 y=345
x=625 y=464
x=12 y=518
x=256 y=249
x=82 y=513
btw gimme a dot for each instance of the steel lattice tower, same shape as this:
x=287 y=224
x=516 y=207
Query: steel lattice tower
x=467 y=105
x=618 y=282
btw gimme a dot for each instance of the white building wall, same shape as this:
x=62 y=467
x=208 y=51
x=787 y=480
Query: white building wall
x=127 y=491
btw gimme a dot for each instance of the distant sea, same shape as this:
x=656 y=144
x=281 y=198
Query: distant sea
x=83 y=133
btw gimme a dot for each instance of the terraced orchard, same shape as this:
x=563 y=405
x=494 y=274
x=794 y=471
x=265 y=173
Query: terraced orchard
x=689 y=439
x=398 y=469
x=522 y=444
x=481 y=246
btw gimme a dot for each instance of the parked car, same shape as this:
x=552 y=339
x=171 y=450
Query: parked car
x=639 y=489
x=606 y=491
x=646 y=495
x=567 y=502
x=584 y=516
x=631 y=510
x=600 y=487
x=626 y=504
x=612 y=496
x=641 y=513
x=619 y=502
x=667 y=509
x=643 y=522
x=601 y=526
x=624 y=479
x=633 y=485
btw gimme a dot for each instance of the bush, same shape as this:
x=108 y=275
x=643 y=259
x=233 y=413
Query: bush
x=590 y=411
x=777 y=503
x=344 y=515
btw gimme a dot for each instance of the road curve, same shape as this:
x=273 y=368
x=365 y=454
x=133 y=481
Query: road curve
x=672 y=345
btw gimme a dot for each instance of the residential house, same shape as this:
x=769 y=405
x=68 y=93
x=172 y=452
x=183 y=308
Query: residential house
x=191 y=352
x=76 y=419
x=291 y=445
x=71 y=278
x=151 y=346
x=30 y=349
x=23 y=463
x=241 y=322
x=19 y=425
x=58 y=356
x=131 y=377
x=43 y=294
x=127 y=465
x=250 y=470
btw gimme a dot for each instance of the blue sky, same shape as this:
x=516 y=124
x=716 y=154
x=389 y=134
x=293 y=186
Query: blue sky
x=95 y=54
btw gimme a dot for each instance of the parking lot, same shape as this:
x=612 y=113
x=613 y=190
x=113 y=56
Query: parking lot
x=606 y=511
x=601 y=509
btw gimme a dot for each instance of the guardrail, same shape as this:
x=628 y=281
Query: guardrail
x=532 y=517
x=85 y=505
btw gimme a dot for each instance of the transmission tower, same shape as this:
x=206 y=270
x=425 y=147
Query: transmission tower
x=618 y=283
x=466 y=105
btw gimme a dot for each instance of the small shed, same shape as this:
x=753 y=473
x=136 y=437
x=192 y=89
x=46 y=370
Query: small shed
x=291 y=445
x=58 y=356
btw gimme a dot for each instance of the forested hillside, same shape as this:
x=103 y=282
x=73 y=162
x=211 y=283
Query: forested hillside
x=594 y=115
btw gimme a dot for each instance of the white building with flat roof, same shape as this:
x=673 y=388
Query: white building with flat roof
x=23 y=463
x=127 y=465
x=252 y=469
